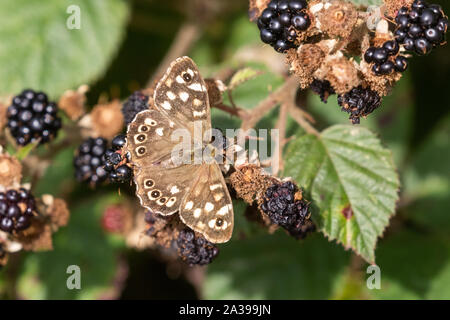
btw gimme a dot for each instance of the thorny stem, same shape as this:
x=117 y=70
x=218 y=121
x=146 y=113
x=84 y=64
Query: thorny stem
x=281 y=126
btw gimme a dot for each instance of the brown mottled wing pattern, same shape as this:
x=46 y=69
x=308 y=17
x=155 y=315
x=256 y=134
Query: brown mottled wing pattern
x=182 y=95
x=207 y=207
x=160 y=185
x=198 y=192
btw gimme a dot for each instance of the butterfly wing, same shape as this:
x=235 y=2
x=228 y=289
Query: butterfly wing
x=181 y=94
x=207 y=207
x=160 y=184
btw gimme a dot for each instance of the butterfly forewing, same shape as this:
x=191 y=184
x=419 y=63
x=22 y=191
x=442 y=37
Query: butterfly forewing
x=181 y=94
x=207 y=207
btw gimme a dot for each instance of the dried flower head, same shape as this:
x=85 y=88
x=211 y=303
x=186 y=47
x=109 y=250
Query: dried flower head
x=73 y=102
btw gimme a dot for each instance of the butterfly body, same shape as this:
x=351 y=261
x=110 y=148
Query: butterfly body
x=171 y=179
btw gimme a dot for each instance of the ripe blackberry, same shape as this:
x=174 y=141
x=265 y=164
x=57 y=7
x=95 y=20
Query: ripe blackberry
x=89 y=161
x=195 y=250
x=31 y=118
x=383 y=59
x=359 y=102
x=281 y=20
x=421 y=28
x=115 y=162
x=284 y=209
x=17 y=207
x=323 y=88
x=136 y=103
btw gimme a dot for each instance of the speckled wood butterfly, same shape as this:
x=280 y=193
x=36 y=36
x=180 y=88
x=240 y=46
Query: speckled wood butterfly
x=197 y=191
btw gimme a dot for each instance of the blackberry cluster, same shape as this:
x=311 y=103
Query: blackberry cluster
x=195 y=250
x=421 y=27
x=136 y=103
x=89 y=161
x=283 y=209
x=280 y=22
x=115 y=161
x=17 y=207
x=359 y=102
x=323 y=88
x=31 y=117
x=386 y=59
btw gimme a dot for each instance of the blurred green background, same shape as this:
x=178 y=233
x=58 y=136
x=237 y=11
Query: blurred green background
x=117 y=51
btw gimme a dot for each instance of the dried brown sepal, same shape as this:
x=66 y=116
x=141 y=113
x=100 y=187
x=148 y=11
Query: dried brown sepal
x=163 y=229
x=10 y=171
x=392 y=6
x=305 y=61
x=250 y=181
x=256 y=7
x=59 y=213
x=341 y=73
x=107 y=119
x=4 y=256
x=381 y=84
x=38 y=237
x=338 y=20
x=73 y=102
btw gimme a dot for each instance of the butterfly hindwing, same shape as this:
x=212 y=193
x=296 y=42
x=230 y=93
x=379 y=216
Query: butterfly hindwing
x=207 y=207
x=162 y=190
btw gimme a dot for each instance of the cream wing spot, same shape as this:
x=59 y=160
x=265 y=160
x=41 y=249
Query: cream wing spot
x=189 y=70
x=171 y=202
x=196 y=87
x=179 y=79
x=184 y=96
x=174 y=190
x=209 y=207
x=189 y=205
x=150 y=122
x=198 y=113
x=197 y=212
x=197 y=102
x=223 y=211
x=160 y=132
x=218 y=196
x=169 y=82
x=166 y=105
x=212 y=223
x=215 y=186
x=171 y=95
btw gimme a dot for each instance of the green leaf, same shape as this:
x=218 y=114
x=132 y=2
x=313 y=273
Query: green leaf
x=242 y=76
x=352 y=181
x=38 y=50
x=24 y=151
x=82 y=243
x=275 y=267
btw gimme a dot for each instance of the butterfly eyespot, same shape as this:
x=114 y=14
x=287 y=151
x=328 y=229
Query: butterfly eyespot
x=140 y=150
x=161 y=201
x=187 y=77
x=155 y=194
x=219 y=222
x=141 y=137
x=150 y=122
x=143 y=128
x=149 y=183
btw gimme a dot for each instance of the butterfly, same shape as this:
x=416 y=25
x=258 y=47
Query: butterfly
x=197 y=191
